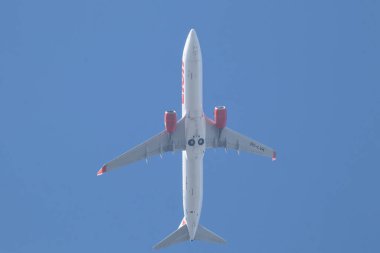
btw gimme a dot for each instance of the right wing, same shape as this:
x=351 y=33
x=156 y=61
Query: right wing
x=157 y=145
x=228 y=138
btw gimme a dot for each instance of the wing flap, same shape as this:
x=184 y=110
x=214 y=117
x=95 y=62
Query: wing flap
x=157 y=145
x=230 y=139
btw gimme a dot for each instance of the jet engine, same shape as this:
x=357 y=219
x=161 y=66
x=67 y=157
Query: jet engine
x=170 y=121
x=220 y=116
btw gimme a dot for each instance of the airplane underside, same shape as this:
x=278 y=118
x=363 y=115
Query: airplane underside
x=192 y=134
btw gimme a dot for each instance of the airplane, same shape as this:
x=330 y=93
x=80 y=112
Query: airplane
x=191 y=134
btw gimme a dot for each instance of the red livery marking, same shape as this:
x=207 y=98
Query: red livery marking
x=102 y=170
x=183 y=222
x=170 y=121
x=220 y=116
x=274 y=156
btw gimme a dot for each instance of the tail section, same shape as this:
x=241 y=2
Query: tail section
x=182 y=234
x=203 y=234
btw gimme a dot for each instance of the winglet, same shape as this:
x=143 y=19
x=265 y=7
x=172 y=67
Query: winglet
x=102 y=170
x=274 y=156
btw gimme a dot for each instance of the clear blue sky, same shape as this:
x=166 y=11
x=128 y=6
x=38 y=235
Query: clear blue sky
x=83 y=81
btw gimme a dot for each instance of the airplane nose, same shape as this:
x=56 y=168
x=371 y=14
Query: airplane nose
x=192 y=33
x=193 y=38
x=192 y=47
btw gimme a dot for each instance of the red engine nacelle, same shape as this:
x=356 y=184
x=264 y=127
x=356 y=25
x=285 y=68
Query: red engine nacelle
x=220 y=116
x=170 y=121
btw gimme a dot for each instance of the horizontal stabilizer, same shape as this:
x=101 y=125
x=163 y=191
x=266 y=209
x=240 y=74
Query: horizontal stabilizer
x=203 y=234
x=180 y=235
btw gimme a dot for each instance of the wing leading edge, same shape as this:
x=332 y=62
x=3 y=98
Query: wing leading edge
x=230 y=139
x=157 y=145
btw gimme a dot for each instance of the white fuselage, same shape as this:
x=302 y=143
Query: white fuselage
x=195 y=130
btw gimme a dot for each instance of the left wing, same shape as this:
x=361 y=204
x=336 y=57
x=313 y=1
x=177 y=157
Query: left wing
x=230 y=139
x=157 y=145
